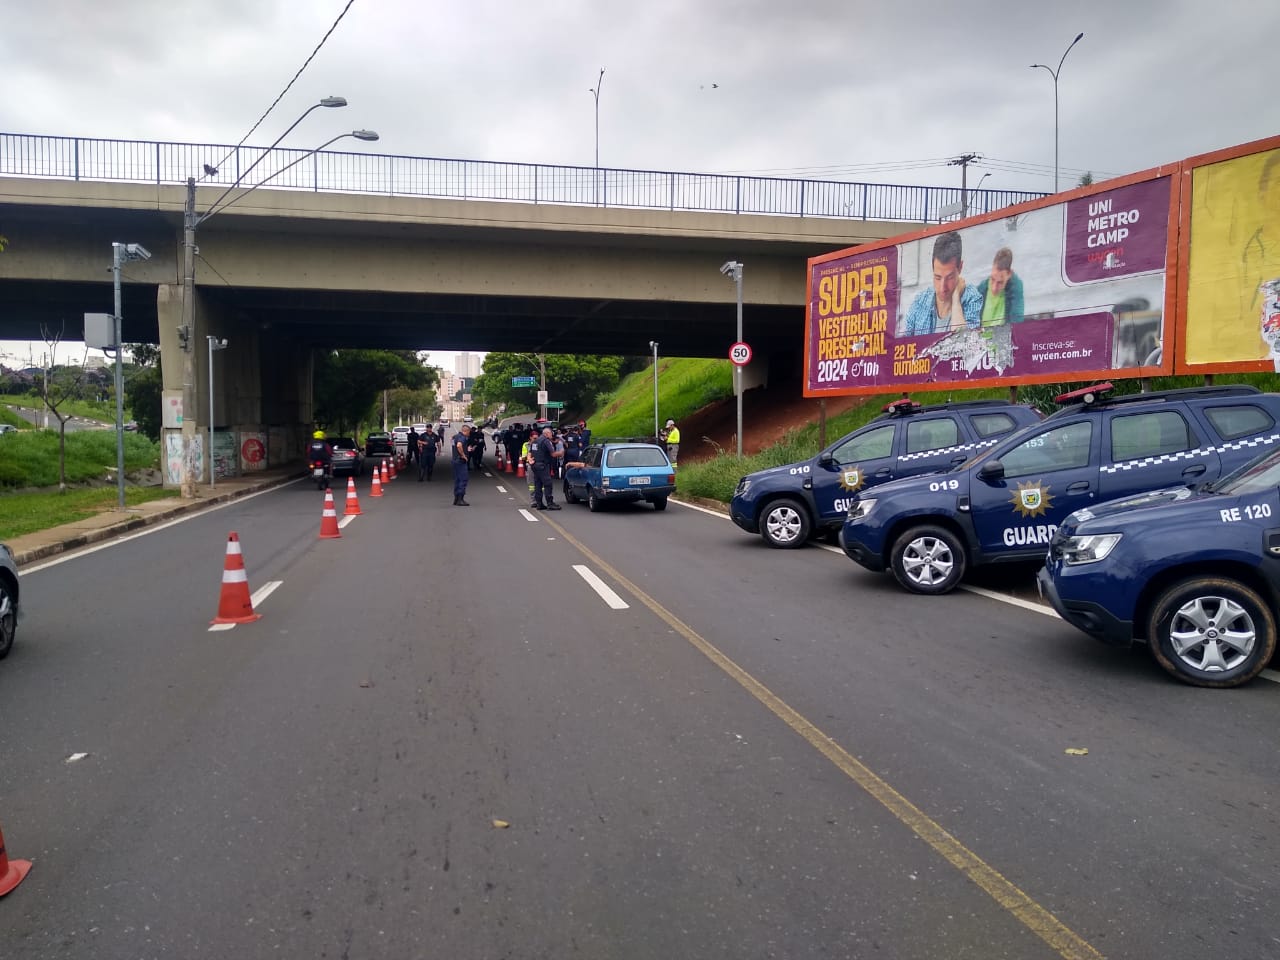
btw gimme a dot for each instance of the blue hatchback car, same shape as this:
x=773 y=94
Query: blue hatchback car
x=1195 y=573
x=1006 y=504
x=786 y=505
x=613 y=472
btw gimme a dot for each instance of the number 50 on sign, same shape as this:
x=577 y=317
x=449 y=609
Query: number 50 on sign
x=740 y=354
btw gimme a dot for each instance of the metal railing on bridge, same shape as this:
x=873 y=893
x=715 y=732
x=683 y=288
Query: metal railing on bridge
x=146 y=161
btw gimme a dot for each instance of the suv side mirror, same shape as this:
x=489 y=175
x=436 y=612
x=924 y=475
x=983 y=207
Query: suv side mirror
x=991 y=470
x=826 y=460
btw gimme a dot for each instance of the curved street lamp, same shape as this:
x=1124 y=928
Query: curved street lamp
x=185 y=332
x=1054 y=73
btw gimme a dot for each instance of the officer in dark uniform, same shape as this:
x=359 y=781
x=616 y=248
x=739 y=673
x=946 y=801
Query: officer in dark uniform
x=426 y=454
x=544 y=455
x=413 y=445
x=573 y=445
x=459 y=446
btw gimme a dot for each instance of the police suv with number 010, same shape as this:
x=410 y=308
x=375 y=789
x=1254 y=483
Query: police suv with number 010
x=787 y=504
x=1006 y=503
x=1194 y=572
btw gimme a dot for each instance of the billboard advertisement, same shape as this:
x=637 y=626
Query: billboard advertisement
x=1057 y=289
x=1229 y=318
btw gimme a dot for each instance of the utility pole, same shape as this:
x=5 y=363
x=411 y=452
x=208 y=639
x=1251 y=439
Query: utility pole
x=963 y=162
x=187 y=343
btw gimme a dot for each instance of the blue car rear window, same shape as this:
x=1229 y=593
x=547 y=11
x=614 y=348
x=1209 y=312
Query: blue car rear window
x=636 y=457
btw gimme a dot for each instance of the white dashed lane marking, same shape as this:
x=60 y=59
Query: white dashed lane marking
x=614 y=601
x=528 y=515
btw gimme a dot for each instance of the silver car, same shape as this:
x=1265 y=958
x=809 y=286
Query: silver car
x=8 y=600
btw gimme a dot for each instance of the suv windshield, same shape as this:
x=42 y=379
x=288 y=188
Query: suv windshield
x=1257 y=476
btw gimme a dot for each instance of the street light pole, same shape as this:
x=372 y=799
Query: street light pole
x=121 y=252
x=1054 y=73
x=215 y=343
x=653 y=345
x=733 y=270
x=595 y=92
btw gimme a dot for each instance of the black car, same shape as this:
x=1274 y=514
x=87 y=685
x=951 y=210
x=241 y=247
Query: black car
x=379 y=444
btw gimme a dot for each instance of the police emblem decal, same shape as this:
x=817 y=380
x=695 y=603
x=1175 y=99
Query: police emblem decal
x=1032 y=499
x=851 y=480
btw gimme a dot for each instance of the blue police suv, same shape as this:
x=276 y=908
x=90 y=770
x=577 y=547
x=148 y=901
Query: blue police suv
x=1006 y=503
x=1194 y=572
x=786 y=505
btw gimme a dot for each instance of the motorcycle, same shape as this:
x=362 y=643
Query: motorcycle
x=320 y=474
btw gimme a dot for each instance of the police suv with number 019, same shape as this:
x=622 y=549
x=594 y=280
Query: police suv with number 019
x=787 y=504
x=1006 y=503
x=1194 y=572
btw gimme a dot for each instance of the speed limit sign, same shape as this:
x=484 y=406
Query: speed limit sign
x=740 y=354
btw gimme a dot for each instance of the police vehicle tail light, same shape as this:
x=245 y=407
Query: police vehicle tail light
x=1088 y=549
x=861 y=508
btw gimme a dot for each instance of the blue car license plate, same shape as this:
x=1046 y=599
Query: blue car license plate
x=639 y=481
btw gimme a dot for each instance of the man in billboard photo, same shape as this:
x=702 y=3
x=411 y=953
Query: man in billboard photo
x=951 y=304
x=1002 y=292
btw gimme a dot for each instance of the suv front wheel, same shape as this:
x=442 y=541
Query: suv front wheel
x=928 y=559
x=1212 y=632
x=785 y=524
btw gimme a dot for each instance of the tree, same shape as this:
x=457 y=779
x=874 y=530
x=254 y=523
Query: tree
x=60 y=384
x=348 y=382
x=144 y=392
x=144 y=354
x=572 y=378
x=1086 y=179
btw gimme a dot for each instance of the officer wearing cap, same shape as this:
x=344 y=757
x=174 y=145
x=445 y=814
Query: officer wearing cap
x=672 y=437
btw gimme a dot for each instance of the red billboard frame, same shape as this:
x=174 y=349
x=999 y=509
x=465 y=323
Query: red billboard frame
x=1186 y=181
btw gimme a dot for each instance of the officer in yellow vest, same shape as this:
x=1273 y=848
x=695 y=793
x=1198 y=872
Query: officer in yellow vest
x=672 y=437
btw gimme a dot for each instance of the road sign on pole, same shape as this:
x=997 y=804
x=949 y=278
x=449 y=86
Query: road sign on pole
x=524 y=381
x=554 y=404
x=740 y=354
x=542 y=398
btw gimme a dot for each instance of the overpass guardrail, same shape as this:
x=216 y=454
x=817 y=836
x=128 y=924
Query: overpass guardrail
x=158 y=162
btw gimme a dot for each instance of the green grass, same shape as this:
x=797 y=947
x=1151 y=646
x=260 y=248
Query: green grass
x=684 y=385
x=30 y=458
x=104 y=411
x=22 y=513
x=716 y=478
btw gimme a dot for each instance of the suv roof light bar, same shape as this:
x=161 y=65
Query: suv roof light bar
x=1086 y=395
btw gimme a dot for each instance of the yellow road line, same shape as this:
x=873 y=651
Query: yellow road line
x=1068 y=944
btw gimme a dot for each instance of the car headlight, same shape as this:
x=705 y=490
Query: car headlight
x=743 y=485
x=862 y=508
x=1088 y=549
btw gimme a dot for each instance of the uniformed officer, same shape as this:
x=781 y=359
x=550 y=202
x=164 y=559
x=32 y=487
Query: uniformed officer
x=426 y=454
x=544 y=455
x=459 y=446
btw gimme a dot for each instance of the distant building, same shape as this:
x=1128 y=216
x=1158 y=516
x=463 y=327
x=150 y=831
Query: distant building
x=468 y=365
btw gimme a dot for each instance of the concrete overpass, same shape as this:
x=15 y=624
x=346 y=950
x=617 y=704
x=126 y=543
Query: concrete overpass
x=283 y=272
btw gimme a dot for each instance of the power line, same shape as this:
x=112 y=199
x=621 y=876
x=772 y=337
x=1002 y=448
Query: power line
x=306 y=63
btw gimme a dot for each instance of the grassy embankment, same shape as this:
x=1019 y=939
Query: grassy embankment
x=29 y=462
x=684 y=385
x=716 y=478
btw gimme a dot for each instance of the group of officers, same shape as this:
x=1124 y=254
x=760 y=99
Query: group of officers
x=544 y=449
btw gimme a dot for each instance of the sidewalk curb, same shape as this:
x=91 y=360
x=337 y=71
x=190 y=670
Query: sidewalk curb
x=24 y=557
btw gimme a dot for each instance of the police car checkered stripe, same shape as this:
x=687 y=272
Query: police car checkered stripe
x=1191 y=454
x=939 y=452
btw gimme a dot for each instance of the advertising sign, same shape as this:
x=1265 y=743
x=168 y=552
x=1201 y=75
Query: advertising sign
x=226 y=458
x=1229 y=319
x=253 y=452
x=1046 y=291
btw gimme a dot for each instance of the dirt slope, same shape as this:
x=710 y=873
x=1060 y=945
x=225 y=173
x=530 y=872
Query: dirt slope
x=767 y=414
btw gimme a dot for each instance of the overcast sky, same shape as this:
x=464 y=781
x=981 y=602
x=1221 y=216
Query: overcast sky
x=831 y=89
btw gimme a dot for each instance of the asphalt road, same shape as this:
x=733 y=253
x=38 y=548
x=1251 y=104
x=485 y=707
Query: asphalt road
x=37 y=416
x=441 y=741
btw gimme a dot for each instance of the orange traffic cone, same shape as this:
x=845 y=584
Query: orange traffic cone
x=520 y=472
x=12 y=872
x=393 y=468
x=376 y=491
x=353 y=502
x=384 y=471
x=510 y=468
x=234 y=604
x=329 y=519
